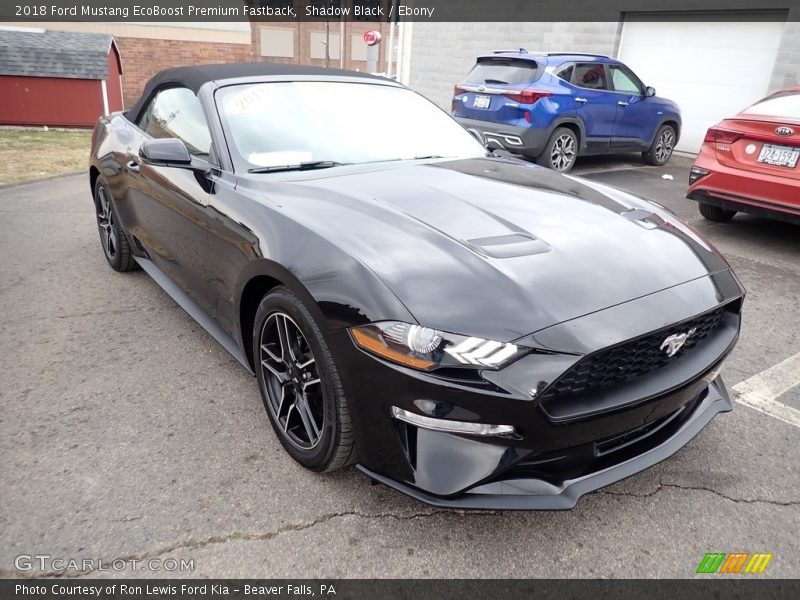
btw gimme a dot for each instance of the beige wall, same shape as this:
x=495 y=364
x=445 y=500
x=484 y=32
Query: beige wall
x=225 y=33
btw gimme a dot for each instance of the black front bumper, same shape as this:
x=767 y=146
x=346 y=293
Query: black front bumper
x=520 y=493
x=562 y=447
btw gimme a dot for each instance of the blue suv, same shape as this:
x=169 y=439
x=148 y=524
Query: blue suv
x=553 y=107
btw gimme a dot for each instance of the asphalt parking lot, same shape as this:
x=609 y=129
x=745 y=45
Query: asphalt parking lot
x=127 y=432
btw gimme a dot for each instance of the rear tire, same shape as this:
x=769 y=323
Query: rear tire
x=662 y=147
x=716 y=213
x=560 y=151
x=112 y=236
x=300 y=385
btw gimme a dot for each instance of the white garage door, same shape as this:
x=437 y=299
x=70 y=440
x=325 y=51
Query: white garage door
x=711 y=69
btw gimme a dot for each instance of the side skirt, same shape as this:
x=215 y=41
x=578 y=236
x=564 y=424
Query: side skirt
x=195 y=311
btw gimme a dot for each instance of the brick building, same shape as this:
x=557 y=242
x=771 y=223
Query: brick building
x=146 y=48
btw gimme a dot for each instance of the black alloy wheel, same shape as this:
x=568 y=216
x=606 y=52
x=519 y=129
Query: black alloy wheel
x=300 y=385
x=112 y=236
x=293 y=383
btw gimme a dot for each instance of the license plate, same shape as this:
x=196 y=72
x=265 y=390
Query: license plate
x=782 y=156
x=482 y=101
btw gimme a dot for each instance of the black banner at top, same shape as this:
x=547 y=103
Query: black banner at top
x=393 y=10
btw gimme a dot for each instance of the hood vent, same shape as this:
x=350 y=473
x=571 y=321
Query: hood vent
x=509 y=246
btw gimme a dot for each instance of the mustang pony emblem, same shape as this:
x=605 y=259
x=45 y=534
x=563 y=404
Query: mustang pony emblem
x=676 y=341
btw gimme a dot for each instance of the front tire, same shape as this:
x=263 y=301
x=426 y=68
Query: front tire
x=560 y=151
x=112 y=236
x=662 y=147
x=716 y=213
x=300 y=385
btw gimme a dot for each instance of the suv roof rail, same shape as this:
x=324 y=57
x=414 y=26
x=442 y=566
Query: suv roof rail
x=539 y=53
x=514 y=51
x=576 y=54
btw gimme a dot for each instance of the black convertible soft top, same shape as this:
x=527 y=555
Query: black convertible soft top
x=195 y=76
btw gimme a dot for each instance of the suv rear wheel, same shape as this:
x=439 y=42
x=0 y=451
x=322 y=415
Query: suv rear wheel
x=560 y=151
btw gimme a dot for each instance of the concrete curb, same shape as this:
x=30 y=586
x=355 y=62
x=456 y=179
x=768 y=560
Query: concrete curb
x=39 y=179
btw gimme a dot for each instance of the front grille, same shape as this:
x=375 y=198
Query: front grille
x=632 y=358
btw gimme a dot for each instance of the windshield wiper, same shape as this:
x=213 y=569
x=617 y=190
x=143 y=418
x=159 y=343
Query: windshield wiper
x=427 y=156
x=495 y=81
x=303 y=166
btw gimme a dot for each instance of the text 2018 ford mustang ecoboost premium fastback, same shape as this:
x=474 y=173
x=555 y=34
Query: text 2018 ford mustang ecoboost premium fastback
x=472 y=330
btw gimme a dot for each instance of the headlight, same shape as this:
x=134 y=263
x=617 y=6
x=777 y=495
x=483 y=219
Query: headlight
x=427 y=349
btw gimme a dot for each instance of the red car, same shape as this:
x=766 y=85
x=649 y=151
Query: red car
x=749 y=163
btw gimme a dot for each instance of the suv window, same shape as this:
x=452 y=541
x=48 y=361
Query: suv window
x=176 y=112
x=565 y=73
x=504 y=71
x=624 y=81
x=590 y=75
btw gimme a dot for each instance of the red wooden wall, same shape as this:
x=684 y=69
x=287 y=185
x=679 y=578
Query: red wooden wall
x=59 y=101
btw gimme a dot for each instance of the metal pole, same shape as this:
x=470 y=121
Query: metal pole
x=391 y=49
x=401 y=34
x=327 y=43
x=341 y=43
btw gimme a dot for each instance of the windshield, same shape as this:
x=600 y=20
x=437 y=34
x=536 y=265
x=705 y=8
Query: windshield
x=785 y=105
x=292 y=123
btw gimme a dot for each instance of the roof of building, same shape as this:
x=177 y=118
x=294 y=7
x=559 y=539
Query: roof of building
x=194 y=77
x=46 y=53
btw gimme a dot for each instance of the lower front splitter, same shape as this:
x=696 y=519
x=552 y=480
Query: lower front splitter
x=538 y=494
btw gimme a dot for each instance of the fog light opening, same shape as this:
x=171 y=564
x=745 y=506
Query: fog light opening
x=452 y=426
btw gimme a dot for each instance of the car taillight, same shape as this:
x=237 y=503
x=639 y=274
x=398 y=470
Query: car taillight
x=458 y=90
x=526 y=96
x=722 y=136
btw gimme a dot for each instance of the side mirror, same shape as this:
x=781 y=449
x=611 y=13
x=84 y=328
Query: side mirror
x=166 y=152
x=650 y=91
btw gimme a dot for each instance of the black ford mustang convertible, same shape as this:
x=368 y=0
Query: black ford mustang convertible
x=472 y=330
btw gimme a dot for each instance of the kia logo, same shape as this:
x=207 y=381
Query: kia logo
x=784 y=131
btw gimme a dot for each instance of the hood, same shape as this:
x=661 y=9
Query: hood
x=493 y=247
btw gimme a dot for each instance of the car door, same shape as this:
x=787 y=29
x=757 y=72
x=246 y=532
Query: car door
x=636 y=118
x=169 y=203
x=595 y=106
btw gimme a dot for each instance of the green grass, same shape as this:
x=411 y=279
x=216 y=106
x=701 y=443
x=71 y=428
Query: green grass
x=27 y=153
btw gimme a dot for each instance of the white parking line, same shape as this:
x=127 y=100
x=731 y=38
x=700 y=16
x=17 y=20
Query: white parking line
x=761 y=390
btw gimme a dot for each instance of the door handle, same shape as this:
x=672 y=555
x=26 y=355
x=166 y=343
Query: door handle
x=581 y=100
x=622 y=103
x=133 y=166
